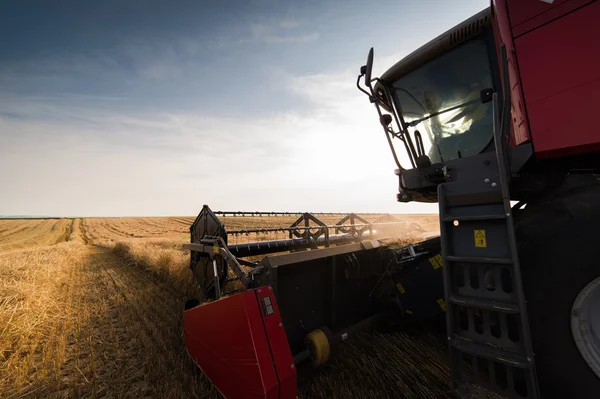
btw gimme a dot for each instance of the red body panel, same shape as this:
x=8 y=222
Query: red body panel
x=524 y=10
x=282 y=356
x=545 y=13
x=554 y=72
x=559 y=64
x=228 y=340
x=503 y=34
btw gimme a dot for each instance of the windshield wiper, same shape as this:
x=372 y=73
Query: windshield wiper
x=417 y=121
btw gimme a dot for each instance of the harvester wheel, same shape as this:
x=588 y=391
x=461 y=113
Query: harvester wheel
x=318 y=343
x=559 y=252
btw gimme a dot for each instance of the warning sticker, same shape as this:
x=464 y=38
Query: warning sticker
x=480 y=240
x=400 y=288
x=436 y=261
x=442 y=304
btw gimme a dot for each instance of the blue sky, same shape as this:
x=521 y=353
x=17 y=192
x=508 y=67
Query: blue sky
x=158 y=107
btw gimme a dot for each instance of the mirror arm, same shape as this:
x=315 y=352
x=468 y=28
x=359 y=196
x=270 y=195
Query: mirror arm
x=403 y=128
x=387 y=136
x=366 y=72
x=387 y=133
x=361 y=89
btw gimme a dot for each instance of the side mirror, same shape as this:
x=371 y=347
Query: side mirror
x=369 y=68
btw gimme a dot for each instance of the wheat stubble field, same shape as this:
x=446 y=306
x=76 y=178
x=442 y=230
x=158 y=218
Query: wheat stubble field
x=92 y=308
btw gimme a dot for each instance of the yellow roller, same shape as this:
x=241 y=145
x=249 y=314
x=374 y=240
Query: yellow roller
x=319 y=345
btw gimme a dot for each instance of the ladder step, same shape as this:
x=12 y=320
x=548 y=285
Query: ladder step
x=484 y=304
x=478 y=259
x=497 y=354
x=474 y=217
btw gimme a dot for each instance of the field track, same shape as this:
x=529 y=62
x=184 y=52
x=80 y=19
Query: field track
x=132 y=354
x=97 y=326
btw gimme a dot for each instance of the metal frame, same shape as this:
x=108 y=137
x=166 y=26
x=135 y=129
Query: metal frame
x=275 y=213
x=352 y=227
x=212 y=257
x=486 y=314
x=309 y=234
x=215 y=248
x=302 y=227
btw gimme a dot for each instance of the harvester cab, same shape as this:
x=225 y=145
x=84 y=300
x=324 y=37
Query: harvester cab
x=477 y=120
x=436 y=104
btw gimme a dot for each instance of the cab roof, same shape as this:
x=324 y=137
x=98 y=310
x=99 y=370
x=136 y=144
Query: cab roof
x=462 y=32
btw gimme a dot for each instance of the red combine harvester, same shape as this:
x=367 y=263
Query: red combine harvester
x=494 y=123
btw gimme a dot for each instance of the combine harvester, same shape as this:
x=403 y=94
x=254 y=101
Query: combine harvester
x=495 y=112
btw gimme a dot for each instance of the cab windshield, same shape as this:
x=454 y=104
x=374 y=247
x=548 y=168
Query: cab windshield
x=441 y=100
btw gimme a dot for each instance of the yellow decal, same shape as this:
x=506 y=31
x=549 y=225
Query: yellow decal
x=436 y=261
x=480 y=241
x=442 y=304
x=216 y=249
x=400 y=288
x=408 y=311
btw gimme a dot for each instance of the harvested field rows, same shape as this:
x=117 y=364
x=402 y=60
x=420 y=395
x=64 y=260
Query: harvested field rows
x=16 y=234
x=112 y=229
x=79 y=320
x=93 y=308
x=408 y=364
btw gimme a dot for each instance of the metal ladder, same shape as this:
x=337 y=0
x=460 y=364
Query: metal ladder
x=487 y=326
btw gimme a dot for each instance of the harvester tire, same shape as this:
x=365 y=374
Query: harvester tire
x=318 y=343
x=559 y=249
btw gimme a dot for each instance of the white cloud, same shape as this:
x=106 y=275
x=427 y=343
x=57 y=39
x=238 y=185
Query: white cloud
x=308 y=38
x=69 y=159
x=278 y=32
x=258 y=30
x=289 y=23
